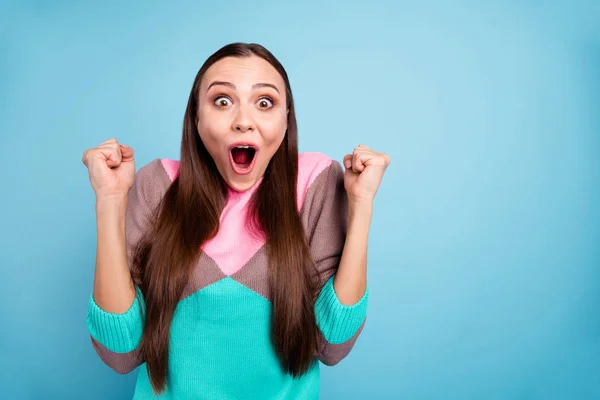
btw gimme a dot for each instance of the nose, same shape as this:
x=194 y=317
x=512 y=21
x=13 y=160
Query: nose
x=243 y=121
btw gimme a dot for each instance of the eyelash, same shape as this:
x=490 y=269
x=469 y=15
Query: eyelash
x=227 y=97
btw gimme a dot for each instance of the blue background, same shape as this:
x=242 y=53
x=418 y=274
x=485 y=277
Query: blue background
x=484 y=260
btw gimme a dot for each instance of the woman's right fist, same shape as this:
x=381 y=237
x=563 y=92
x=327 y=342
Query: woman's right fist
x=111 y=168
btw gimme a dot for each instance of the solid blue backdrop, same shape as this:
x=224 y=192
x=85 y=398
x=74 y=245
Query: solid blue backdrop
x=484 y=260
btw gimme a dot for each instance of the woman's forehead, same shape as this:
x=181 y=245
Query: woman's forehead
x=243 y=73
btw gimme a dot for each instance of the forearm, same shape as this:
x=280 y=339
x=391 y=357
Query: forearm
x=114 y=290
x=351 y=278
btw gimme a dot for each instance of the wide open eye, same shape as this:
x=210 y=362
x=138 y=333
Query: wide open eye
x=265 y=103
x=222 y=101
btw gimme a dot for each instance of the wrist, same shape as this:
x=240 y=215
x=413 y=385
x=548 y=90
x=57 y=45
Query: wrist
x=111 y=203
x=360 y=205
x=359 y=215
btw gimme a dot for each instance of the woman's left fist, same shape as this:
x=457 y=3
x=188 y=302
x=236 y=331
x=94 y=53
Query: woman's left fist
x=364 y=171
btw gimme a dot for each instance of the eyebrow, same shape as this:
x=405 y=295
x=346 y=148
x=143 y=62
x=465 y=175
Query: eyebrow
x=231 y=85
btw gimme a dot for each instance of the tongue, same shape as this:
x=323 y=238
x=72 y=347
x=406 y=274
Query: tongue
x=241 y=156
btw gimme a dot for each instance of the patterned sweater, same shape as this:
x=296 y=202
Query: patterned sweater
x=220 y=345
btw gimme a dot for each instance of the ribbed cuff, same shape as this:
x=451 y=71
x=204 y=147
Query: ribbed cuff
x=339 y=322
x=120 y=333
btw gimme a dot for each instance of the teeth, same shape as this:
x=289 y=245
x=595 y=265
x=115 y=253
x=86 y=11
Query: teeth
x=243 y=147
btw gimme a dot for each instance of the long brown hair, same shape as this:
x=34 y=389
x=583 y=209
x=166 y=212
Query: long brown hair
x=188 y=216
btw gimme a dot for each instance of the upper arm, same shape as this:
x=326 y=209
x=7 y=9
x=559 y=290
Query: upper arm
x=144 y=197
x=324 y=214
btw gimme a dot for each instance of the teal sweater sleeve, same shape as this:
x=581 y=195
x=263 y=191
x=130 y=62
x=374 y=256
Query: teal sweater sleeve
x=119 y=333
x=339 y=322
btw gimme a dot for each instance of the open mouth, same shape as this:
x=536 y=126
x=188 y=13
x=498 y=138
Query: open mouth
x=242 y=158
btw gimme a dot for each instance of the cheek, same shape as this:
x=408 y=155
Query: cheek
x=274 y=131
x=211 y=131
x=213 y=144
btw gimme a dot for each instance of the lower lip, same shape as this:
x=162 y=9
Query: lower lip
x=238 y=168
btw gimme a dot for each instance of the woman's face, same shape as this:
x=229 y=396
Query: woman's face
x=242 y=117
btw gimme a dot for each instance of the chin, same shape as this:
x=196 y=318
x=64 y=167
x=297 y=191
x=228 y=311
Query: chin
x=241 y=185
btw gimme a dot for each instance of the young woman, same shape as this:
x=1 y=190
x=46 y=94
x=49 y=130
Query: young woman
x=230 y=273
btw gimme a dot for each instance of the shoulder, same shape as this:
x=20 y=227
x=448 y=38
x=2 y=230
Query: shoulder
x=311 y=165
x=316 y=171
x=153 y=179
x=158 y=171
